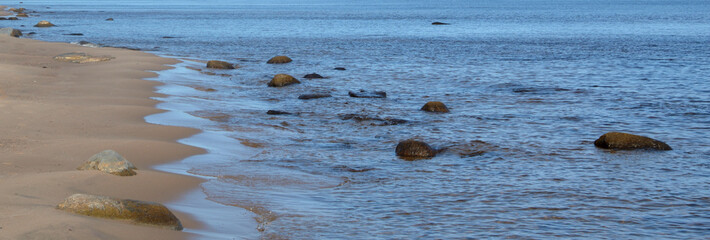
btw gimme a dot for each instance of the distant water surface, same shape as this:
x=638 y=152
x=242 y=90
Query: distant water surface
x=530 y=85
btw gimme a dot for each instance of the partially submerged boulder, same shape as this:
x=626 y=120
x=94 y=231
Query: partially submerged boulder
x=435 y=107
x=374 y=121
x=312 y=75
x=219 y=65
x=109 y=161
x=137 y=212
x=279 y=60
x=281 y=80
x=314 y=96
x=22 y=15
x=10 y=32
x=81 y=58
x=367 y=94
x=440 y=23
x=626 y=141
x=413 y=150
x=277 y=112
x=44 y=24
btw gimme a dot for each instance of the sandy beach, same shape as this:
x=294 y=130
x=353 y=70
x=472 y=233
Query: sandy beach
x=55 y=115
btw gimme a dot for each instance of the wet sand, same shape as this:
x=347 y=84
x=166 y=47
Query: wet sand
x=55 y=115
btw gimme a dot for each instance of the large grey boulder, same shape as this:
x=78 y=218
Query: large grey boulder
x=10 y=32
x=109 y=161
x=137 y=212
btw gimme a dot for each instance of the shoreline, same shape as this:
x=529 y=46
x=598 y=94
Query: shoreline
x=58 y=114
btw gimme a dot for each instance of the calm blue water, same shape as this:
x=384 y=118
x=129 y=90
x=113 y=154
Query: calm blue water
x=530 y=83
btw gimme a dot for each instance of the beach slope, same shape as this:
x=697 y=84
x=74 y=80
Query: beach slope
x=54 y=115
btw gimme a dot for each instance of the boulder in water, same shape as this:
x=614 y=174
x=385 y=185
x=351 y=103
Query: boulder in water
x=277 y=112
x=367 y=94
x=626 y=141
x=440 y=23
x=413 y=149
x=339 y=68
x=109 y=161
x=109 y=19
x=281 y=80
x=44 y=24
x=137 y=212
x=219 y=65
x=314 y=96
x=22 y=15
x=435 y=107
x=279 y=60
x=312 y=75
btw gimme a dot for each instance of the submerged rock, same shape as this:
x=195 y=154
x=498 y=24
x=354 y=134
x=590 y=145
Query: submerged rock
x=44 y=24
x=281 y=80
x=440 y=23
x=219 y=65
x=314 y=96
x=435 y=107
x=81 y=58
x=109 y=19
x=413 y=149
x=137 y=212
x=339 y=68
x=279 y=60
x=367 y=94
x=312 y=75
x=109 y=161
x=625 y=141
x=277 y=112
x=375 y=121
x=10 y=32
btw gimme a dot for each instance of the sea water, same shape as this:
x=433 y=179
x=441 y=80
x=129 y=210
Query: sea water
x=530 y=86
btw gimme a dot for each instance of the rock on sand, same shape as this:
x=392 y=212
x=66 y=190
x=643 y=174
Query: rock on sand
x=137 y=212
x=109 y=161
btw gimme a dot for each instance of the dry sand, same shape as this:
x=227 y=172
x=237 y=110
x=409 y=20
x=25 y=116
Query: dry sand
x=55 y=115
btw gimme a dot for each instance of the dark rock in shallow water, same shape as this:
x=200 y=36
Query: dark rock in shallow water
x=339 y=68
x=367 y=94
x=277 y=112
x=314 y=96
x=440 y=23
x=313 y=75
x=625 y=141
x=435 y=107
x=13 y=18
x=22 y=15
x=10 y=32
x=137 y=212
x=413 y=150
x=109 y=19
x=74 y=34
x=279 y=60
x=219 y=65
x=281 y=80
x=376 y=121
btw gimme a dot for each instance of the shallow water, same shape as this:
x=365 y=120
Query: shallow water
x=530 y=88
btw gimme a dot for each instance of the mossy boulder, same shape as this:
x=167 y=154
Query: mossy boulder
x=413 y=150
x=626 y=141
x=219 y=65
x=279 y=60
x=137 y=212
x=281 y=80
x=109 y=161
x=10 y=32
x=435 y=107
x=44 y=24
